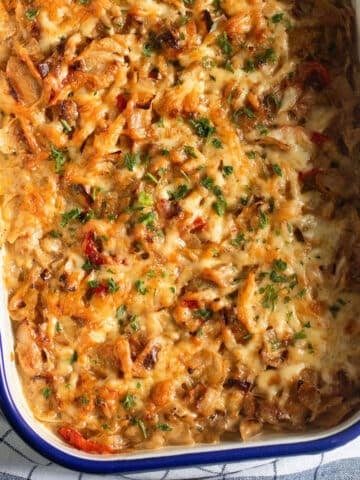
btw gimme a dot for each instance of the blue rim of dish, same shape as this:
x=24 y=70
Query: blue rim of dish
x=73 y=462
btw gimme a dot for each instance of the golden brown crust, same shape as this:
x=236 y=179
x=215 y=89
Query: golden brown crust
x=180 y=197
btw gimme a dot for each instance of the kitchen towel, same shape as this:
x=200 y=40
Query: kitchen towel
x=18 y=461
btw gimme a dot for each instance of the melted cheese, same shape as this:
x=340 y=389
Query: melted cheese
x=178 y=212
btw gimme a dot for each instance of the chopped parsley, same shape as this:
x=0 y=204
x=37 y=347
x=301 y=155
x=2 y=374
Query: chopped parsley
x=277 y=169
x=190 y=151
x=268 y=55
x=299 y=335
x=140 y=423
x=46 y=392
x=272 y=101
x=278 y=278
x=134 y=323
x=277 y=17
x=217 y=143
x=179 y=193
x=224 y=44
x=183 y=20
x=55 y=234
x=32 y=13
x=238 y=241
x=149 y=176
x=249 y=66
x=60 y=158
x=84 y=399
x=113 y=287
x=58 y=327
x=128 y=401
x=131 y=160
x=66 y=127
x=248 y=112
x=88 y=266
x=147 y=50
x=164 y=427
x=203 y=127
x=147 y=219
x=69 y=216
x=262 y=129
x=203 y=313
x=219 y=207
x=280 y=265
x=140 y=288
x=207 y=182
x=251 y=155
x=302 y=293
x=270 y=296
x=74 y=357
x=248 y=336
x=120 y=312
x=86 y=216
x=263 y=220
x=277 y=274
x=145 y=199
x=227 y=170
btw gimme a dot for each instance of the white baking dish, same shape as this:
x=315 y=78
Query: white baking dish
x=15 y=408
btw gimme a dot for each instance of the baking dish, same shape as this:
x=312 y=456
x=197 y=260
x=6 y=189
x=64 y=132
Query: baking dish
x=14 y=406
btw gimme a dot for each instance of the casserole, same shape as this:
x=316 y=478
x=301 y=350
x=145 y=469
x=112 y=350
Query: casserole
x=219 y=206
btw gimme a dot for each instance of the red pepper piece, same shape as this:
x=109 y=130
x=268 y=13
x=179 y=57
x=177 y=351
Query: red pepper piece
x=315 y=75
x=192 y=304
x=319 y=138
x=75 y=439
x=121 y=102
x=310 y=174
x=198 y=225
x=91 y=249
x=101 y=290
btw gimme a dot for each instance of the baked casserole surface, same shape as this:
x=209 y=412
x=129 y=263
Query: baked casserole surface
x=180 y=216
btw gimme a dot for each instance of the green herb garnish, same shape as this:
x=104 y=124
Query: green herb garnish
x=131 y=160
x=46 y=392
x=224 y=44
x=32 y=13
x=128 y=401
x=140 y=288
x=69 y=216
x=179 y=193
x=113 y=287
x=203 y=127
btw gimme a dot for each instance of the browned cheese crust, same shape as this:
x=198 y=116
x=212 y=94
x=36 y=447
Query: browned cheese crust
x=180 y=216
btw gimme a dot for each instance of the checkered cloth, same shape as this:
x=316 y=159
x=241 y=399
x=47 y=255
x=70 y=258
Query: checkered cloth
x=19 y=461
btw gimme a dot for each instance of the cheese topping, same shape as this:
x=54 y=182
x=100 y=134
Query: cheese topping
x=180 y=213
